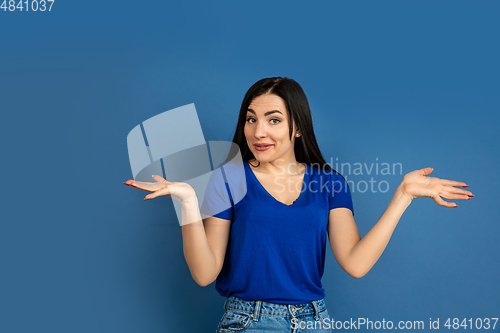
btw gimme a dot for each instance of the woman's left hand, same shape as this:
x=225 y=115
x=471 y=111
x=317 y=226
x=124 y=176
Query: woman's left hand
x=416 y=185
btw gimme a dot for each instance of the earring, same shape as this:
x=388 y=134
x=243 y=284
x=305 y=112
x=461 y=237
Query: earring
x=297 y=135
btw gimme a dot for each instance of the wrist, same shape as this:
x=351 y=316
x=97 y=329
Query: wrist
x=189 y=201
x=401 y=195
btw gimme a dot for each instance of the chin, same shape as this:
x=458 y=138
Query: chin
x=261 y=159
x=265 y=159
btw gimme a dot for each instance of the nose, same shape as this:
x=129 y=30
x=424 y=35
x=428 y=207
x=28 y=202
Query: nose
x=260 y=130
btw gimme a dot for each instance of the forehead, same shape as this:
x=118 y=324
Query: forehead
x=268 y=102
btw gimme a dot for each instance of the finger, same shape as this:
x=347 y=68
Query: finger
x=152 y=196
x=455 y=190
x=453 y=183
x=159 y=179
x=142 y=186
x=441 y=202
x=149 y=185
x=453 y=196
x=426 y=171
x=158 y=193
x=131 y=183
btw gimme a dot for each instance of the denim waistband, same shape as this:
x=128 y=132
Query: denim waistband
x=261 y=307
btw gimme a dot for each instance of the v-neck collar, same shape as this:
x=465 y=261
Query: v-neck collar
x=301 y=196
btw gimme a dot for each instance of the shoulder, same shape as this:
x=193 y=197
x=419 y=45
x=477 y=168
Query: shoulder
x=328 y=177
x=323 y=172
x=234 y=171
x=230 y=172
x=234 y=176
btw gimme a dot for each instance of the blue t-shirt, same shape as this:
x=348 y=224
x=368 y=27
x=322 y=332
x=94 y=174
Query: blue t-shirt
x=276 y=252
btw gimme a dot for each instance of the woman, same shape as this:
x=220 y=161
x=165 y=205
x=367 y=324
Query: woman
x=267 y=251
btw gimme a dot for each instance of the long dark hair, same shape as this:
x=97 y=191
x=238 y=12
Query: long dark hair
x=306 y=147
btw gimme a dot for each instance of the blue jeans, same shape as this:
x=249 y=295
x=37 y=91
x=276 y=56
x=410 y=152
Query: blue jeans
x=259 y=316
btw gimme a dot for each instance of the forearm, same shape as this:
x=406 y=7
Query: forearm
x=197 y=252
x=365 y=253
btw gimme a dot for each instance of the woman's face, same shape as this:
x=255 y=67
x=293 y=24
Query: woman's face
x=266 y=129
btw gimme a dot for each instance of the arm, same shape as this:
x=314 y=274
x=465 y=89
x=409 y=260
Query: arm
x=204 y=243
x=357 y=255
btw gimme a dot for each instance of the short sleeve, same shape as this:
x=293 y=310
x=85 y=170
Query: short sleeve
x=216 y=199
x=340 y=194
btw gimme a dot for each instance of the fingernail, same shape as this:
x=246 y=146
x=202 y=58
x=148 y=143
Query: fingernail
x=465 y=186
x=146 y=198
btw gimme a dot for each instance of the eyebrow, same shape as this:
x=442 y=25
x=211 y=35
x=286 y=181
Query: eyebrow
x=265 y=114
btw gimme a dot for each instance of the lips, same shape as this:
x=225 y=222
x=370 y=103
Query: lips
x=262 y=146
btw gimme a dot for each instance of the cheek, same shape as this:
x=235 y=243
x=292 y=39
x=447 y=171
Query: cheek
x=285 y=137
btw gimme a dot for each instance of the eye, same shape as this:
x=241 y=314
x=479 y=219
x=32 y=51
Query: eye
x=275 y=121
x=250 y=120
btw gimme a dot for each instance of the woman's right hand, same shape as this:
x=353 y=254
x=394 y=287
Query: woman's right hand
x=181 y=192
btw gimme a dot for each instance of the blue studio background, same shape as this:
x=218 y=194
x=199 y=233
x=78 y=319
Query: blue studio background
x=409 y=82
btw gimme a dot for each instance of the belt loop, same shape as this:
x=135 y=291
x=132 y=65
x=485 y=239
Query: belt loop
x=225 y=302
x=316 y=310
x=256 y=310
x=292 y=314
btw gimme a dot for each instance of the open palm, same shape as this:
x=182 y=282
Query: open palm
x=176 y=190
x=416 y=184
